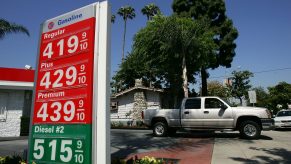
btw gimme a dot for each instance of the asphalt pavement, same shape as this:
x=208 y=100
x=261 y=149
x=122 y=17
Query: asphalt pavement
x=196 y=147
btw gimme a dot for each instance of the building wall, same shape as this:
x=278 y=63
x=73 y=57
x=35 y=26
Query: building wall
x=126 y=104
x=13 y=101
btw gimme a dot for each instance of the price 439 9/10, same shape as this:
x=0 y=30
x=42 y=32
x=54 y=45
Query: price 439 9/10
x=62 y=111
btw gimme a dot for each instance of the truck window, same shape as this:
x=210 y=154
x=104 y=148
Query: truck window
x=213 y=103
x=193 y=103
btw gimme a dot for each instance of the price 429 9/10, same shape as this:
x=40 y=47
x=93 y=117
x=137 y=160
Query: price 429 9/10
x=71 y=76
x=62 y=112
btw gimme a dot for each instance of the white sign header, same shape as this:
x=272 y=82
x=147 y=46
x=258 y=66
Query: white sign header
x=69 y=18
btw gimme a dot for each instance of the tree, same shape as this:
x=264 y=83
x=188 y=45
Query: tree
x=150 y=10
x=7 y=27
x=113 y=18
x=262 y=97
x=280 y=96
x=126 y=12
x=215 y=88
x=167 y=49
x=224 y=32
x=240 y=84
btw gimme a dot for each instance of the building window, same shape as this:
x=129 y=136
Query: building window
x=114 y=106
x=3 y=105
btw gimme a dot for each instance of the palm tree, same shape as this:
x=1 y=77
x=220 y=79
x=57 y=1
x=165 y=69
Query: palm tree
x=126 y=12
x=113 y=18
x=7 y=27
x=150 y=10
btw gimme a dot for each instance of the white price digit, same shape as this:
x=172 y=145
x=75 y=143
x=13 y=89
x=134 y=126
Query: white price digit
x=61 y=45
x=82 y=68
x=38 y=147
x=48 y=51
x=42 y=113
x=81 y=103
x=81 y=116
x=84 y=45
x=58 y=106
x=57 y=83
x=45 y=81
x=79 y=158
x=82 y=79
x=66 y=150
x=84 y=35
x=53 y=145
x=69 y=109
x=79 y=144
x=73 y=42
x=71 y=75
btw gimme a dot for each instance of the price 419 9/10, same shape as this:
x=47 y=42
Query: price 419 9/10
x=66 y=46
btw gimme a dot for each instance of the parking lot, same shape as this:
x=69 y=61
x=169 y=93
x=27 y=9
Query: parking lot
x=196 y=147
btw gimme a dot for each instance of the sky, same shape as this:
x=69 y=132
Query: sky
x=263 y=45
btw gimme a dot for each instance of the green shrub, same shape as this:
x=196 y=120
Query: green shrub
x=15 y=159
x=139 y=123
x=118 y=124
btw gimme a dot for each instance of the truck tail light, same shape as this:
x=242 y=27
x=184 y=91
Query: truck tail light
x=142 y=115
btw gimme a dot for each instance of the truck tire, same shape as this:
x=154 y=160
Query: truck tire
x=160 y=129
x=250 y=130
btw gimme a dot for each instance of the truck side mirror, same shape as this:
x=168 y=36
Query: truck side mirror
x=223 y=106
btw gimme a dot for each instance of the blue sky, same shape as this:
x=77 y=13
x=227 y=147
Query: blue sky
x=263 y=45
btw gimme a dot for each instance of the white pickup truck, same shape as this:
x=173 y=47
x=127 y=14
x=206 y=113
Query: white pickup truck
x=209 y=113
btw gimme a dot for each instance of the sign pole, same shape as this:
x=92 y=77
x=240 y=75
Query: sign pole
x=101 y=122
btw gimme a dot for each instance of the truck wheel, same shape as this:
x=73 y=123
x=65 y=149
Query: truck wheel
x=250 y=130
x=160 y=129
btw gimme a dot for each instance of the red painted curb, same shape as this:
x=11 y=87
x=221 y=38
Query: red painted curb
x=186 y=151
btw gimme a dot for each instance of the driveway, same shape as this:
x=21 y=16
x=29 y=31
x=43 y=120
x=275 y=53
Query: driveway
x=196 y=147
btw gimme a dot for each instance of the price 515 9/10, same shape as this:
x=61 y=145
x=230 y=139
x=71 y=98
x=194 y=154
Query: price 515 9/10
x=66 y=45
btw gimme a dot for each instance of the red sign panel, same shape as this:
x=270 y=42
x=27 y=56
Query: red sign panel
x=65 y=75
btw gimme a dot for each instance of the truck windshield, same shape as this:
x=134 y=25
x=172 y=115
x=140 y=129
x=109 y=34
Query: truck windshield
x=284 y=113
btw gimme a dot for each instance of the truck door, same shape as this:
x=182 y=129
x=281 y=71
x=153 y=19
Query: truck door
x=191 y=113
x=217 y=114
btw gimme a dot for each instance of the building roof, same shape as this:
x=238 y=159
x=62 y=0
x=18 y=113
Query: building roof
x=15 y=78
x=136 y=88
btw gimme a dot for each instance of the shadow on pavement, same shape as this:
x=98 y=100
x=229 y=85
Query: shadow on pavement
x=280 y=155
x=147 y=143
x=283 y=129
x=212 y=134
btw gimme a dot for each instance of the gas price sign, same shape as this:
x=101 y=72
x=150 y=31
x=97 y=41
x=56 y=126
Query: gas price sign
x=61 y=129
